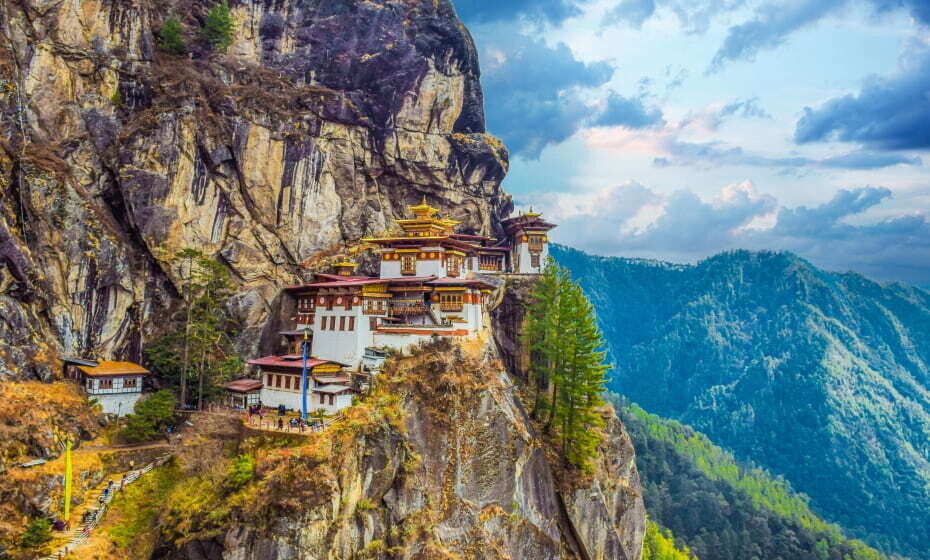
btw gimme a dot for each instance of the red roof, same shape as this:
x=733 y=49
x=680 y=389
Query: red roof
x=344 y=281
x=243 y=385
x=402 y=279
x=289 y=361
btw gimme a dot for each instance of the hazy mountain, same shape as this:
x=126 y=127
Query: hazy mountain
x=820 y=377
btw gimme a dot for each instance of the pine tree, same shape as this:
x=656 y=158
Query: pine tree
x=566 y=370
x=170 y=37
x=203 y=349
x=540 y=333
x=220 y=29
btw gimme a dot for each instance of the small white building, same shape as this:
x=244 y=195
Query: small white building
x=282 y=383
x=243 y=393
x=116 y=386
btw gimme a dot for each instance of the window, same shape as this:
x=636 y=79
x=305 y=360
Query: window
x=453 y=265
x=489 y=262
x=287 y=381
x=129 y=382
x=534 y=260
x=323 y=323
x=332 y=323
x=450 y=302
x=277 y=381
x=408 y=265
x=342 y=323
x=352 y=323
x=106 y=384
x=329 y=302
x=268 y=380
x=322 y=396
x=332 y=399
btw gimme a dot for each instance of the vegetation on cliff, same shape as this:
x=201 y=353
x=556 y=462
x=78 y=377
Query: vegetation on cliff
x=566 y=365
x=821 y=378
x=659 y=544
x=199 y=347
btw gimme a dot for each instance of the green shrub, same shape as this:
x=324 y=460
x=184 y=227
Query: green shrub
x=150 y=416
x=220 y=29
x=37 y=533
x=170 y=37
x=242 y=471
x=365 y=504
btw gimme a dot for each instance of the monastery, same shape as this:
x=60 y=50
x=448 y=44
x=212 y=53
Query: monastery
x=429 y=284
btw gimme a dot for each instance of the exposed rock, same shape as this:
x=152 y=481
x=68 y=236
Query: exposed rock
x=319 y=126
x=462 y=476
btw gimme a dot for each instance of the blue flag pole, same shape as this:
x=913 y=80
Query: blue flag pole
x=303 y=379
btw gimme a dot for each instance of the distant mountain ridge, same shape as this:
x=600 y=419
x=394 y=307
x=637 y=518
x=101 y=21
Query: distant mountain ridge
x=822 y=378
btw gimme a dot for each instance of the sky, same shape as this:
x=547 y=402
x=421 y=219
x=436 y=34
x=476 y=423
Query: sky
x=676 y=129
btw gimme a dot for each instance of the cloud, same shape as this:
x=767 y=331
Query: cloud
x=769 y=28
x=747 y=109
x=629 y=112
x=888 y=113
x=487 y=11
x=634 y=221
x=669 y=148
x=772 y=24
x=694 y=16
x=535 y=92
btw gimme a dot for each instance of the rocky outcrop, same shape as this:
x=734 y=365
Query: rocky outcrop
x=454 y=469
x=320 y=124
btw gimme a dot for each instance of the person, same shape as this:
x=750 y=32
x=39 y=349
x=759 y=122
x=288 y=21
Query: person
x=281 y=410
x=122 y=481
x=301 y=425
x=280 y=423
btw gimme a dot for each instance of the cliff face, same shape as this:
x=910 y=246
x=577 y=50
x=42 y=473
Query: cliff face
x=323 y=121
x=441 y=462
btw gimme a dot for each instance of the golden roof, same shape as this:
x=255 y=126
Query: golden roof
x=114 y=368
x=345 y=264
x=423 y=210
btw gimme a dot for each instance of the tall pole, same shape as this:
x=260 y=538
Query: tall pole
x=67 y=514
x=303 y=378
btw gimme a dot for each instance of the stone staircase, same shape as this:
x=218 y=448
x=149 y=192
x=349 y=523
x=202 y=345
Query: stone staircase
x=80 y=535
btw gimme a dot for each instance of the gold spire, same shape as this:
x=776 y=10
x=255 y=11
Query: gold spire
x=532 y=214
x=423 y=210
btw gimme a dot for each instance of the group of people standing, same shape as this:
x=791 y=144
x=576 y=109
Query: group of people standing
x=256 y=414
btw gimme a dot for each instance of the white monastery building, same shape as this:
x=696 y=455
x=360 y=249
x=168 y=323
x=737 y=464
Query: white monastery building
x=429 y=284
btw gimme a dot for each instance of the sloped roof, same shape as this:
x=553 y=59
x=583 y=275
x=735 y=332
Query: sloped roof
x=114 y=368
x=243 y=385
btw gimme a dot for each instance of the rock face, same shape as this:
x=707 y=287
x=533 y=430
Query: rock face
x=320 y=124
x=461 y=475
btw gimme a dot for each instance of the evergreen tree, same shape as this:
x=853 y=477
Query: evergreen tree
x=37 y=534
x=203 y=349
x=220 y=29
x=566 y=370
x=541 y=335
x=170 y=37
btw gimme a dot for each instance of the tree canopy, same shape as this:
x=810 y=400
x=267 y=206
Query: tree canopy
x=567 y=367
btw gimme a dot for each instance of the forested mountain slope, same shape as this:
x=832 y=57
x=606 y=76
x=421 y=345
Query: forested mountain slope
x=822 y=378
x=721 y=509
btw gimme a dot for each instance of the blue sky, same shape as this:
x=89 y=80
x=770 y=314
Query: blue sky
x=674 y=129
